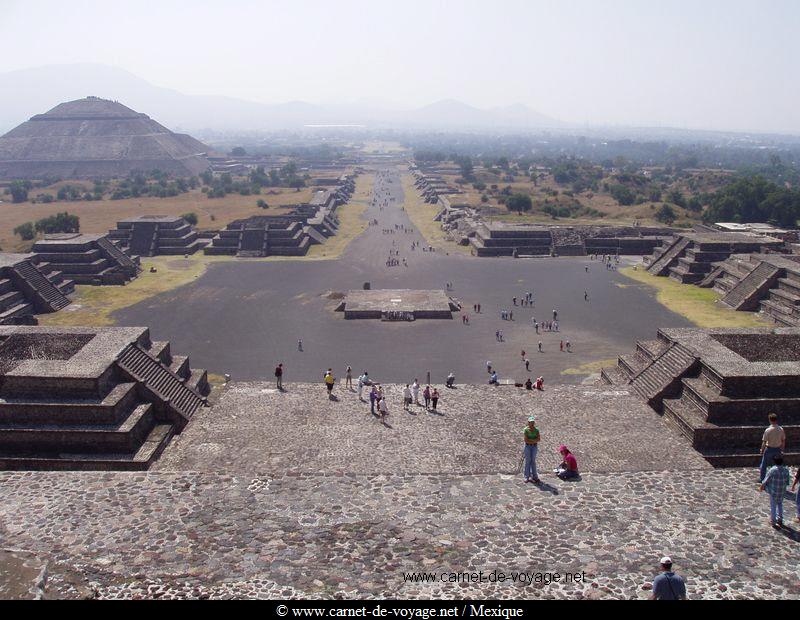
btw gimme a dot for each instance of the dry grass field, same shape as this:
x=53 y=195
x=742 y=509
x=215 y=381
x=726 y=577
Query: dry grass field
x=542 y=192
x=102 y=215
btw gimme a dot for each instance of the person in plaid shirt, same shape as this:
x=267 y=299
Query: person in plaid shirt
x=775 y=483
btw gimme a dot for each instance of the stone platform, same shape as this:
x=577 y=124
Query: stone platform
x=717 y=386
x=91 y=398
x=400 y=304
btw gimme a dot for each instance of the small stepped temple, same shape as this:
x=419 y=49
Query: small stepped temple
x=82 y=398
x=769 y=283
x=717 y=387
x=86 y=259
x=156 y=235
x=29 y=287
x=95 y=138
x=689 y=258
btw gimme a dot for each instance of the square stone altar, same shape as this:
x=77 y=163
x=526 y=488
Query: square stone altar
x=397 y=304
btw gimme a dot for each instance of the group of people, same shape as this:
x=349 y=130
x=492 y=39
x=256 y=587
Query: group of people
x=774 y=475
x=567 y=470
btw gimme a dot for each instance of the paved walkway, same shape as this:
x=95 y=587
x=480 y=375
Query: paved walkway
x=208 y=535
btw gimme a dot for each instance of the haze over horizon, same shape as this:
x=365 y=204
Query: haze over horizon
x=720 y=65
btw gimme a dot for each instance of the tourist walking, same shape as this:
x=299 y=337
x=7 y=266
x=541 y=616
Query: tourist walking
x=435 y=398
x=329 y=381
x=426 y=396
x=773 y=444
x=532 y=438
x=383 y=408
x=775 y=483
x=279 y=376
x=668 y=586
x=348 y=382
x=415 y=391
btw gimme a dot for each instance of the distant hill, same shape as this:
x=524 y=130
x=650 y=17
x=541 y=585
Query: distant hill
x=42 y=88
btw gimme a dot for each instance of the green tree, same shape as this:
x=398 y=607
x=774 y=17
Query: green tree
x=519 y=203
x=25 y=231
x=191 y=218
x=666 y=214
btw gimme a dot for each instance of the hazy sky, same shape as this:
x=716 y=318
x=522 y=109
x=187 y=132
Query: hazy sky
x=716 y=64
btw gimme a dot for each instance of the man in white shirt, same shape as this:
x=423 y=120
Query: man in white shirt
x=773 y=444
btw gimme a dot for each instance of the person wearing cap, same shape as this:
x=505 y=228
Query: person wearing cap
x=668 y=586
x=532 y=438
x=568 y=470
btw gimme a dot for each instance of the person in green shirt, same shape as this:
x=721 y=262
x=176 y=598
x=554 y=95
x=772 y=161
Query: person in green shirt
x=532 y=438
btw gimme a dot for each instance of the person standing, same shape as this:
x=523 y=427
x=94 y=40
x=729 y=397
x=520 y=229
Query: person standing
x=527 y=365
x=279 y=376
x=373 y=398
x=383 y=408
x=415 y=391
x=406 y=397
x=348 y=382
x=362 y=381
x=329 y=381
x=773 y=444
x=797 y=496
x=435 y=398
x=532 y=437
x=426 y=395
x=775 y=483
x=668 y=586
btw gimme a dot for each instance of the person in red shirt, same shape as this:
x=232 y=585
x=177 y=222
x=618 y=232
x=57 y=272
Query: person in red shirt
x=569 y=467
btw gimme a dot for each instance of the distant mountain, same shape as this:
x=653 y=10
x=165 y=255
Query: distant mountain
x=34 y=91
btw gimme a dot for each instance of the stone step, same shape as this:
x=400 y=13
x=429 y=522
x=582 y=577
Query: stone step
x=6 y=285
x=151 y=448
x=11 y=299
x=110 y=410
x=180 y=366
x=126 y=436
x=724 y=458
x=18 y=310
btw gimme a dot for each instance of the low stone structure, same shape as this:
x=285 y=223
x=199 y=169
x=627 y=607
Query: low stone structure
x=690 y=257
x=397 y=305
x=717 y=386
x=91 y=398
x=156 y=235
x=497 y=239
x=87 y=259
x=29 y=287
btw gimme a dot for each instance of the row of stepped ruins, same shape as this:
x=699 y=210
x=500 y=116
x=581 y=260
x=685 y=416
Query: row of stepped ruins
x=290 y=234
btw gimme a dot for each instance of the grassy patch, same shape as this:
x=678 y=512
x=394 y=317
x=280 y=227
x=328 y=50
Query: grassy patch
x=93 y=305
x=351 y=222
x=590 y=368
x=421 y=215
x=698 y=305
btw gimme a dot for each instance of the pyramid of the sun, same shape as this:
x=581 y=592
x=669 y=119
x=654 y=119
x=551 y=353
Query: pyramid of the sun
x=96 y=138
